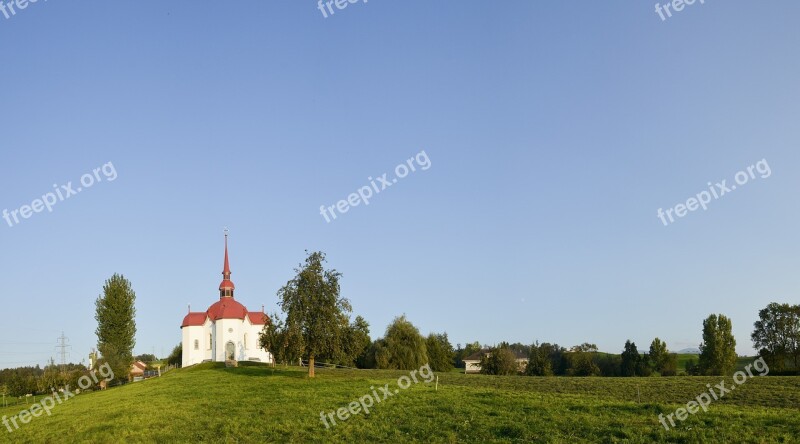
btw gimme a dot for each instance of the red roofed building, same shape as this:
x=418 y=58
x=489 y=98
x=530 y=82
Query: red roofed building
x=227 y=330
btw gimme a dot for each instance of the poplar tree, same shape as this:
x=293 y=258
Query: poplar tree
x=116 y=326
x=718 y=350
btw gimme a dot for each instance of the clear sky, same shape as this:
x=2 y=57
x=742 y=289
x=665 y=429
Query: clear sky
x=554 y=131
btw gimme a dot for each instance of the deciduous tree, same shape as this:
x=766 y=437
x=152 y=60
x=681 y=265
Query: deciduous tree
x=776 y=335
x=315 y=311
x=404 y=345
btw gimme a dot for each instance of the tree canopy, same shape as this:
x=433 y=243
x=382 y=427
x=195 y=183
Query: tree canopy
x=776 y=335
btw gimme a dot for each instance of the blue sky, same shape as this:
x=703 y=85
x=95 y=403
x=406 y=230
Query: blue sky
x=555 y=130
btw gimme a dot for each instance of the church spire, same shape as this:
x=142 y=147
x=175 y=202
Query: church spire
x=226 y=287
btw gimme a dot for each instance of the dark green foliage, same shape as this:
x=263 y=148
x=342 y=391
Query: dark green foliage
x=176 y=357
x=146 y=358
x=643 y=367
x=609 y=365
x=776 y=335
x=520 y=349
x=630 y=359
x=670 y=366
x=440 y=352
x=20 y=381
x=501 y=361
x=116 y=325
x=582 y=363
x=718 y=350
x=659 y=357
x=358 y=343
x=539 y=361
x=692 y=369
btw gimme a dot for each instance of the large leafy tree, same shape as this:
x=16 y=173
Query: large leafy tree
x=116 y=325
x=405 y=347
x=777 y=334
x=316 y=315
x=718 y=350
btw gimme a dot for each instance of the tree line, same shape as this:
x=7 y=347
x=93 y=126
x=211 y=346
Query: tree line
x=316 y=327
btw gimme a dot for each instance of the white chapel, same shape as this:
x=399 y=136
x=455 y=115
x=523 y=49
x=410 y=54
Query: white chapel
x=226 y=331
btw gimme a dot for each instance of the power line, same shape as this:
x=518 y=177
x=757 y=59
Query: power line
x=63 y=346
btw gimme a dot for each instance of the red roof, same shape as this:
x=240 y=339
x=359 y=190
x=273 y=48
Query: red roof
x=226 y=283
x=257 y=318
x=226 y=308
x=193 y=319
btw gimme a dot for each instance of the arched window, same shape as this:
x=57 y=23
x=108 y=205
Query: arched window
x=196 y=344
x=210 y=341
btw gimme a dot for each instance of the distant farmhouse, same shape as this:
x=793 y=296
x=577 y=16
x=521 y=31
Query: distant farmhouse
x=472 y=363
x=226 y=331
x=137 y=371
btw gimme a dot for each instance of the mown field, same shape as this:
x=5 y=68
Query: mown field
x=209 y=403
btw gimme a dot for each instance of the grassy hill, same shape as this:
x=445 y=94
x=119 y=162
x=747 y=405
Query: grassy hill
x=210 y=403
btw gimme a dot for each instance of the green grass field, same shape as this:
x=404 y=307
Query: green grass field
x=209 y=403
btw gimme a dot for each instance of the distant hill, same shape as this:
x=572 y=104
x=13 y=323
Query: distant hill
x=689 y=351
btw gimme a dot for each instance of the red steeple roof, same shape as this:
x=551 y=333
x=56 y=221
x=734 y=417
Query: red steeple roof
x=226 y=269
x=226 y=287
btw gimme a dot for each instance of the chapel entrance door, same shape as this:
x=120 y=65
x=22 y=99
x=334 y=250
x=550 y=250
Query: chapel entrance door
x=230 y=351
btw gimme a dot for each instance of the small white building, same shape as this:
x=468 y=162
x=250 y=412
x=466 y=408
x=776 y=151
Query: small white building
x=226 y=331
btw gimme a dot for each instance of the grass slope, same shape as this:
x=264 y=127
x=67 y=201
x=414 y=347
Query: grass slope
x=209 y=403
